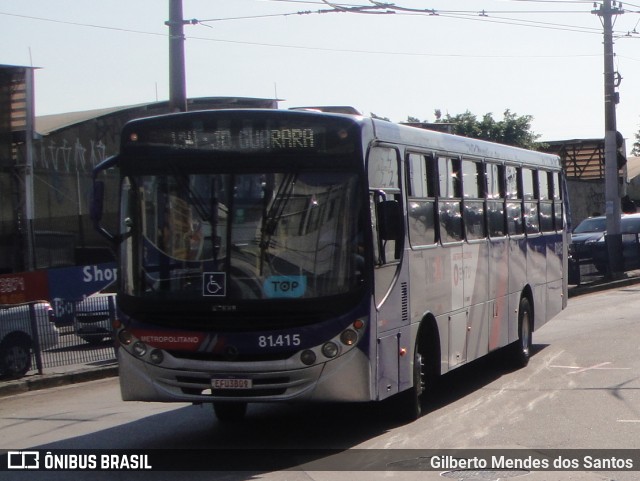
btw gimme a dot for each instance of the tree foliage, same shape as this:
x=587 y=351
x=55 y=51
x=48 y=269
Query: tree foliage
x=374 y=116
x=635 y=150
x=511 y=130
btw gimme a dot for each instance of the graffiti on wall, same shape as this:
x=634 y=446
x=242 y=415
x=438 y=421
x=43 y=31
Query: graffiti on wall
x=64 y=157
x=586 y=198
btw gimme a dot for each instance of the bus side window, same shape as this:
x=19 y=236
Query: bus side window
x=556 y=189
x=385 y=204
x=420 y=174
x=495 y=200
x=530 y=194
x=546 y=201
x=473 y=188
x=513 y=194
x=449 y=200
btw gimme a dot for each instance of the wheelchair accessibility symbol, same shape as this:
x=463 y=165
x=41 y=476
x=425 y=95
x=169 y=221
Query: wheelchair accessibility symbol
x=214 y=284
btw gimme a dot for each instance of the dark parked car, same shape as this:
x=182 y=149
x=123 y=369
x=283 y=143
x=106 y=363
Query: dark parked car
x=630 y=230
x=588 y=231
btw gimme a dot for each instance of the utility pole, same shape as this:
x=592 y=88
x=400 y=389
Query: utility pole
x=29 y=196
x=612 y=198
x=177 y=82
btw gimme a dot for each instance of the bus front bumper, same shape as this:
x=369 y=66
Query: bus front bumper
x=345 y=378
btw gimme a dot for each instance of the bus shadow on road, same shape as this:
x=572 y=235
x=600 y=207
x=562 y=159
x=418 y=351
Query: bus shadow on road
x=284 y=430
x=471 y=377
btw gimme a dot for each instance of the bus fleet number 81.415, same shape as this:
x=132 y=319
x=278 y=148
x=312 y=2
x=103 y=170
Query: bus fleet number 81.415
x=282 y=340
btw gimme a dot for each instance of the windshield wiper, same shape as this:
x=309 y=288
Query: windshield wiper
x=272 y=216
x=194 y=200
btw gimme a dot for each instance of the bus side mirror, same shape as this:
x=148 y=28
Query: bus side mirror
x=390 y=220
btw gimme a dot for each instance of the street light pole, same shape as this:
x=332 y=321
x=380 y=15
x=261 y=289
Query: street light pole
x=612 y=198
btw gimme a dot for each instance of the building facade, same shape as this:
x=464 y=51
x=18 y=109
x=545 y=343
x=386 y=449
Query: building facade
x=56 y=231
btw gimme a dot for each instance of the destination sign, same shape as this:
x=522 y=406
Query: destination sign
x=249 y=139
x=225 y=139
x=245 y=132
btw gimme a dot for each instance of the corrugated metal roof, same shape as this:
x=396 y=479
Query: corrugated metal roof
x=46 y=124
x=633 y=167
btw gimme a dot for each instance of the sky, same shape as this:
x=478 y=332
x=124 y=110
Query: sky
x=542 y=58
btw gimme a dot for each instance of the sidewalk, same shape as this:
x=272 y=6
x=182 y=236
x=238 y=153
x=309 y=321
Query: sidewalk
x=602 y=284
x=59 y=376
x=77 y=373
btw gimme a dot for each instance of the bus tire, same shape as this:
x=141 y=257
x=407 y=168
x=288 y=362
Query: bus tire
x=412 y=400
x=521 y=349
x=229 y=412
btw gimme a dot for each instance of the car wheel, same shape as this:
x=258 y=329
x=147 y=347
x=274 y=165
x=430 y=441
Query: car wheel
x=15 y=357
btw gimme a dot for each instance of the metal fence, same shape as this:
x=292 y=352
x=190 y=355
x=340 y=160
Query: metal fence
x=590 y=261
x=60 y=241
x=582 y=269
x=30 y=341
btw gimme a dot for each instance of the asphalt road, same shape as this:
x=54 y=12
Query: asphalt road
x=580 y=390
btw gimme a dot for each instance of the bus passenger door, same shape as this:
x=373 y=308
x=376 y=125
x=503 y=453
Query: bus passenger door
x=390 y=284
x=475 y=257
x=498 y=277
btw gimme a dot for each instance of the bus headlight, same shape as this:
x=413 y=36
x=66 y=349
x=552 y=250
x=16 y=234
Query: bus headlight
x=308 y=357
x=340 y=344
x=330 y=349
x=125 y=337
x=139 y=349
x=156 y=356
x=348 y=337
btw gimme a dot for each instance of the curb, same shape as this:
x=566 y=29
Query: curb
x=45 y=381
x=603 y=286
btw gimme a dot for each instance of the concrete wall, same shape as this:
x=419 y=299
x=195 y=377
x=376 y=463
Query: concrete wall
x=586 y=198
x=633 y=189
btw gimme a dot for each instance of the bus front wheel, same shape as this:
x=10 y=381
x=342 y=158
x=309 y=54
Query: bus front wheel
x=230 y=411
x=412 y=400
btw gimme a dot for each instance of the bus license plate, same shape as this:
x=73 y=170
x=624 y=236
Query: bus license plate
x=231 y=383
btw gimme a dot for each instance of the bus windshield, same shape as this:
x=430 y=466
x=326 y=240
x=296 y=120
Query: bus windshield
x=242 y=236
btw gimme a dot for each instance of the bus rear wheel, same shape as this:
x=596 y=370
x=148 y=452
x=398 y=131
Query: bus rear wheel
x=228 y=412
x=521 y=349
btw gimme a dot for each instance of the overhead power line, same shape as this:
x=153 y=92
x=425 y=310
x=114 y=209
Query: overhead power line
x=253 y=17
x=80 y=24
x=481 y=15
x=489 y=16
